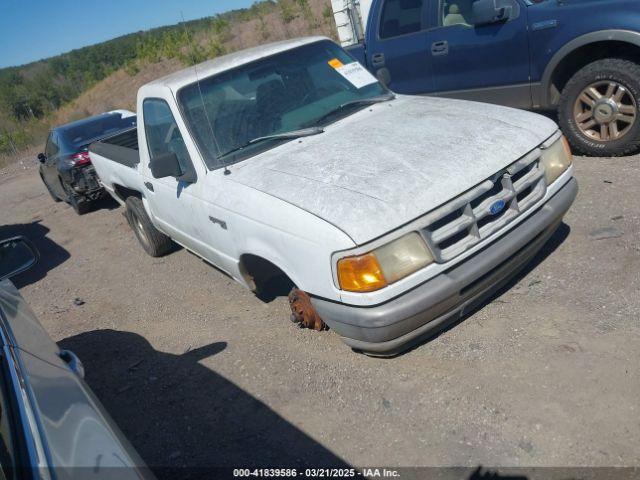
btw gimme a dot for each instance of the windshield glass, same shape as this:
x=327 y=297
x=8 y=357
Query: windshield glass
x=289 y=91
x=79 y=135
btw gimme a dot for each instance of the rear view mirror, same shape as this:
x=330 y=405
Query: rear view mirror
x=487 y=12
x=41 y=157
x=165 y=165
x=17 y=254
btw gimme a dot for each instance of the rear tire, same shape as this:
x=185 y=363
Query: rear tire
x=598 y=109
x=79 y=204
x=154 y=242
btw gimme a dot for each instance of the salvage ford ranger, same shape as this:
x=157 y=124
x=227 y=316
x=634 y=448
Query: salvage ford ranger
x=392 y=215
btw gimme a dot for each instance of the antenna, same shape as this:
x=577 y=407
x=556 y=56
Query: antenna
x=204 y=109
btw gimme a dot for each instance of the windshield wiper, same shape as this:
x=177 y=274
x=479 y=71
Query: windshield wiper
x=357 y=101
x=303 y=132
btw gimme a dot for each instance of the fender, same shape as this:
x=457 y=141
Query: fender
x=627 y=36
x=261 y=249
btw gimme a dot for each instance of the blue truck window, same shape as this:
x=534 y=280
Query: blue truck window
x=400 y=17
x=455 y=12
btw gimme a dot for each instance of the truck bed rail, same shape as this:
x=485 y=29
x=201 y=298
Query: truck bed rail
x=121 y=148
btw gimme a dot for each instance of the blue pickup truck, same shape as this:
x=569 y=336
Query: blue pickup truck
x=579 y=57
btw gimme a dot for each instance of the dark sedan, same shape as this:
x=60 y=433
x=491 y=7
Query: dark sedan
x=65 y=166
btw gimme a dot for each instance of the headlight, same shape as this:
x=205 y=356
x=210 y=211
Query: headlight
x=384 y=265
x=556 y=159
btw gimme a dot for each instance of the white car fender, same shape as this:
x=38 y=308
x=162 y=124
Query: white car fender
x=302 y=252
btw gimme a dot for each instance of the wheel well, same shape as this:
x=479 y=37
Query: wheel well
x=264 y=277
x=582 y=56
x=124 y=192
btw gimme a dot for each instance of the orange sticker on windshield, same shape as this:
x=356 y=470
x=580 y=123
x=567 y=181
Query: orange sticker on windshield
x=335 y=63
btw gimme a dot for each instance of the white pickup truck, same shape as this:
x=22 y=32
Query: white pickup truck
x=392 y=215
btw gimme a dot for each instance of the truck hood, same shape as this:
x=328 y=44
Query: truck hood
x=384 y=166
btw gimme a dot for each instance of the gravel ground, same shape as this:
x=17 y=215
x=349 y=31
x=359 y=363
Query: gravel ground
x=197 y=371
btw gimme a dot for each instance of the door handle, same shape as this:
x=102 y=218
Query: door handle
x=377 y=59
x=545 y=24
x=440 y=48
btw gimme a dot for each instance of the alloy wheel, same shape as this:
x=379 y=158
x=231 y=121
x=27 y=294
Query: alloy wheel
x=605 y=111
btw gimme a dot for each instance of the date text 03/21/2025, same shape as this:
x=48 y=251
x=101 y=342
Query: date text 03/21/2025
x=316 y=472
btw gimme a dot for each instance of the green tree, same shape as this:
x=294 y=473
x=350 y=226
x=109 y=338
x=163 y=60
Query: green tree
x=286 y=10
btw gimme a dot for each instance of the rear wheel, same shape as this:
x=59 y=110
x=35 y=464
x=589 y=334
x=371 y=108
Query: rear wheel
x=79 y=204
x=598 y=108
x=154 y=242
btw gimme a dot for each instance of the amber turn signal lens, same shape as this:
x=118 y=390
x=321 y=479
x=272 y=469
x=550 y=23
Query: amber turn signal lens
x=360 y=274
x=567 y=149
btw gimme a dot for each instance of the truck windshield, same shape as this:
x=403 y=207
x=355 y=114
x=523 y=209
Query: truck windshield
x=308 y=86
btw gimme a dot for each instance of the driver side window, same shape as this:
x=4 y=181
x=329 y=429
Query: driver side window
x=162 y=132
x=455 y=12
x=475 y=13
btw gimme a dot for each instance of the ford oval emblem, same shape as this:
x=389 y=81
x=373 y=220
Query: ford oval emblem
x=496 y=207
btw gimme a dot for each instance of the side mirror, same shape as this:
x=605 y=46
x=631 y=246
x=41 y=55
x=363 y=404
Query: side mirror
x=41 y=157
x=17 y=254
x=166 y=165
x=487 y=12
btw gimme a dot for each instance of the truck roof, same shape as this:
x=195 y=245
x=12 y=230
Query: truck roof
x=221 y=64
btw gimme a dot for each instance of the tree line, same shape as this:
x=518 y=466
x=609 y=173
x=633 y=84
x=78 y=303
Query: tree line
x=30 y=93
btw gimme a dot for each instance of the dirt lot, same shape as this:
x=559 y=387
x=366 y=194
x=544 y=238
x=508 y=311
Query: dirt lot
x=198 y=371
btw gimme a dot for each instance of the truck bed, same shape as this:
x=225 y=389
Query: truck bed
x=121 y=148
x=116 y=161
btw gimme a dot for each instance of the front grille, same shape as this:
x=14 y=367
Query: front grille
x=467 y=220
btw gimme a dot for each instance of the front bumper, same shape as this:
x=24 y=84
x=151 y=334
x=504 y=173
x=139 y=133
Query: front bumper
x=391 y=327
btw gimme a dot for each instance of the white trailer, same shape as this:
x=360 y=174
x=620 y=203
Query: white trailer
x=351 y=19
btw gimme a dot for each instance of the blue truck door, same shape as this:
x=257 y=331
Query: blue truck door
x=398 y=52
x=480 y=62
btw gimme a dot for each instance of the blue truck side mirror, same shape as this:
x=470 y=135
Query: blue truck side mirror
x=487 y=12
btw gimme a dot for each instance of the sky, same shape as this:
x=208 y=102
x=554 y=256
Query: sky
x=35 y=29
